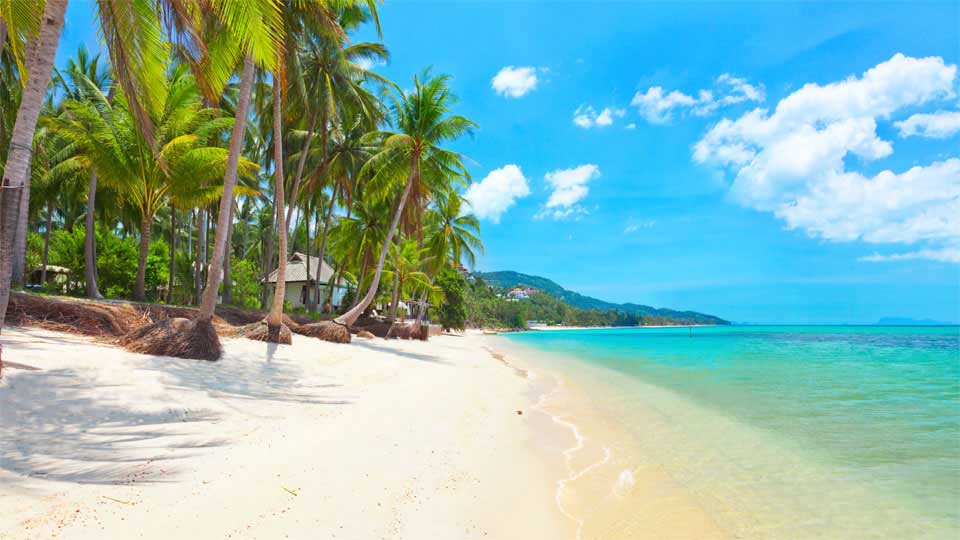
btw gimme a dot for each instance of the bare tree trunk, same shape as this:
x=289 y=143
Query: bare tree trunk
x=301 y=161
x=395 y=300
x=90 y=241
x=139 y=287
x=363 y=272
x=268 y=261
x=275 y=317
x=198 y=256
x=351 y=316
x=190 y=232
x=39 y=64
x=326 y=228
x=224 y=228
x=46 y=244
x=316 y=282
x=227 y=261
x=172 y=268
x=20 y=240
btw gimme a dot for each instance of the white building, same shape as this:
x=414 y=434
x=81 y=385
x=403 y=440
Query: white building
x=300 y=285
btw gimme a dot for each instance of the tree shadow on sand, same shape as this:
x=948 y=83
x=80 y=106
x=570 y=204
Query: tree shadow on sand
x=51 y=428
x=259 y=374
x=406 y=354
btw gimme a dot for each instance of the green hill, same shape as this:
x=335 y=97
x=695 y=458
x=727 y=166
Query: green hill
x=508 y=279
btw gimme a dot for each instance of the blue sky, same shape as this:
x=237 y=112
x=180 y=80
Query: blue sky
x=670 y=154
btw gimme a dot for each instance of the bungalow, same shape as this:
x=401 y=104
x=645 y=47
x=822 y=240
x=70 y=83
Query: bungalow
x=300 y=285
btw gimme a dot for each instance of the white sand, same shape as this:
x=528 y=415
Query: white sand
x=370 y=440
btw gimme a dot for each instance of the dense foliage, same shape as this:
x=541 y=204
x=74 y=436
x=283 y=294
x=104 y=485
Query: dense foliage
x=490 y=307
x=591 y=309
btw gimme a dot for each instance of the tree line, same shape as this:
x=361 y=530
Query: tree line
x=214 y=139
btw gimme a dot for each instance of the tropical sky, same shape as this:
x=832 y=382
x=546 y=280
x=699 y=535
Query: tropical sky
x=763 y=162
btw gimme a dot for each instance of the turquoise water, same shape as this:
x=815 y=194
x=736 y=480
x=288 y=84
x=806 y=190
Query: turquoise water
x=831 y=420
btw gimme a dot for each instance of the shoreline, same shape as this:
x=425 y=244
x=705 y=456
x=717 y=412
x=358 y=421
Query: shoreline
x=396 y=439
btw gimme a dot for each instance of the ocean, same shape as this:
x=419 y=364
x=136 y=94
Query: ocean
x=778 y=431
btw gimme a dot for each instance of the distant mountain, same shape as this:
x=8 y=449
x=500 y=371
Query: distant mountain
x=906 y=321
x=508 y=279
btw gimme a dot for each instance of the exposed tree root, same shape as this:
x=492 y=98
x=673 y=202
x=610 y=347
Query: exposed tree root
x=179 y=337
x=261 y=331
x=326 y=330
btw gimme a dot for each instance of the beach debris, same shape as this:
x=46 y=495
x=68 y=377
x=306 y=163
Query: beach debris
x=116 y=500
x=519 y=412
x=290 y=491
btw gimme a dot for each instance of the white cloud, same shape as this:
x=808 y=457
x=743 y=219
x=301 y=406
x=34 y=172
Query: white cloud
x=630 y=229
x=631 y=125
x=587 y=117
x=938 y=125
x=569 y=188
x=514 y=82
x=497 y=192
x=794 y=161
x=947 y=254
x=659 y=106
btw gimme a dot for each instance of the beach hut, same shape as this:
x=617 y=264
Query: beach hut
x=301 y=286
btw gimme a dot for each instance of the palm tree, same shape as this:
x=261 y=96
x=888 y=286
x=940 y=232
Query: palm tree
x=109 y=140
x=405 y=262
x=423 y=122
x=85 y=80
x=38 y=63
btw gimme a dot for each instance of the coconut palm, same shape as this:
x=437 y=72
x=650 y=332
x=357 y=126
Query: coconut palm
x=423 y=122
x=110 y=142
x=38 y=61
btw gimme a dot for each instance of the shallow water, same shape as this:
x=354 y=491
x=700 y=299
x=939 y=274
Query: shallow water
x=784 y=431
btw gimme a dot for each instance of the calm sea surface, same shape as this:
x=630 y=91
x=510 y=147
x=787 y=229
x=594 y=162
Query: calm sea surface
x=788 y=431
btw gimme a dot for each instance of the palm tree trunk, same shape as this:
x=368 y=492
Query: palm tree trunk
x=351 y=316
x=20 y=240
x=275 y=317
x=363 y=272
x=46 y=244
x=227 y=260
x=323 y=237
x=336 y=280
x=198 y=256
x=395 y=300
x=224 y=228
x=90 y=240
x=316 y=282
x=172 y=268
x=268 y=261
x=39 y=63
x=139 y=287
x=301 y=161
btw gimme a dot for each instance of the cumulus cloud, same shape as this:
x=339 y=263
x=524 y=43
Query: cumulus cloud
x=938 y=125
x=658 y=106
x=569 y=187
x=514 y=82
x=587 y=117
x=794 y=162
x=497 y=192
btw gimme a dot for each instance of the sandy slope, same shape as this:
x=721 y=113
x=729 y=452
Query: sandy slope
x=370 y=440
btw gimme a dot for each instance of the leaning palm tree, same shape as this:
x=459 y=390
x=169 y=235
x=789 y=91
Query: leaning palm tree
x=423 y=123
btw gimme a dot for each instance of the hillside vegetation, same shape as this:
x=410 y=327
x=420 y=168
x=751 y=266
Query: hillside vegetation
x=488 y=306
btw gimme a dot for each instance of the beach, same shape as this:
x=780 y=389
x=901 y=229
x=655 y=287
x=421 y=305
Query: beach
x=376 y=439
